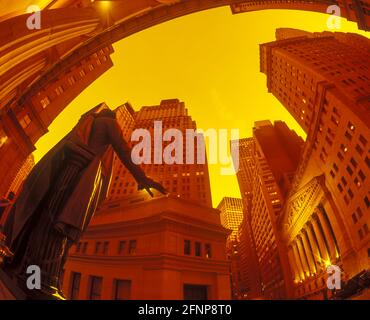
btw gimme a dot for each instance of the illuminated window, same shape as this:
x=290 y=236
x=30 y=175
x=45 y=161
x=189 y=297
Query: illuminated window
x=45 y=102
x=72 y=80
x=25 y=121
x=59 y=90
x=208 y=250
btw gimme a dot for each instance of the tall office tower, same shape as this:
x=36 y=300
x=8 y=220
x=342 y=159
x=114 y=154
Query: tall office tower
x=303 y=70
x=274 y=156
x=323 y=81
x=277 y=151
x=20 y=128
x=250 y=283
x=246 y=165
x=231 y=214
x=189 y=181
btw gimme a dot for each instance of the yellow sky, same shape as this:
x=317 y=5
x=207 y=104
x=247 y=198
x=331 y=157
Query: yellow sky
x=209 y=60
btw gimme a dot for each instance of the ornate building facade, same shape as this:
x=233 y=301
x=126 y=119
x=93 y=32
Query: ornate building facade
x=322 y=79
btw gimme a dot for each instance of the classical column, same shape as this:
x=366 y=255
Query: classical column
x=309 y=254
x=313 y=242
x=298 y=261
x=293 y=264
x=302 y=254
x=320 y=240
x=328 y=232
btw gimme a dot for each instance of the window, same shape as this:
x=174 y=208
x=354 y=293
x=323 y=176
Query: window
x=208 y=250
x=132 y=247
x=335 y=167
x=367 y=202
x=362 y=175
x=75 y=285
x=25 y=121
x=195 y=292
x=350 y=126
x=367 y=160
x=359 y=149
x=105 y=247
x=45 y=102
x=353 y=162
x=122 y=290
x=187 y=249
x=84 y=247
x=198 y=249
x=95 y=287
x=366 y=228
x=363 y=140
x=97 y=247
x=350 y=193
x=59 y=90
x=71 y=80
x=122 y=247
x=349 y=170
x=78 y=247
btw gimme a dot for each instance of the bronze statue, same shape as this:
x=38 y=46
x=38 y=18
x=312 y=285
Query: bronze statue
x=60 y=196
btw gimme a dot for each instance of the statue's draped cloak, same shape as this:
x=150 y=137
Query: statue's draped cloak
x=88 y=193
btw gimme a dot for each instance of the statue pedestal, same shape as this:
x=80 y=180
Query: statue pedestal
x=9 y=289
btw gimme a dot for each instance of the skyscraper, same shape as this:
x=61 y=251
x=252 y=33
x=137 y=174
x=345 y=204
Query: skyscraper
x=189 y=181
x=323 y=81
x=231 y=214
x=273 y=155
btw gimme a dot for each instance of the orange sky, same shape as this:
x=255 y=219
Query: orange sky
x=209 y=60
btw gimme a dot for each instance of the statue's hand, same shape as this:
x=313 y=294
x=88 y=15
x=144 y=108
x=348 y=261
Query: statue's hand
x=150 y=183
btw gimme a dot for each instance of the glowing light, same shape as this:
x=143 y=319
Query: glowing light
x=105 y=4
x=327 y=263
x=3 y=140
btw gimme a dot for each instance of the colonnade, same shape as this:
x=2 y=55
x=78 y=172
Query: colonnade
x=314 y=248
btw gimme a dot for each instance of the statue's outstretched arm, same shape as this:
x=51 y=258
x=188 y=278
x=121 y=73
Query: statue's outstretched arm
x=123 y=151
